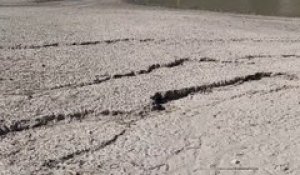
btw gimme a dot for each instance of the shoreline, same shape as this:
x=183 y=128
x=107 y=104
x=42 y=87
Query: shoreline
x=126 y=3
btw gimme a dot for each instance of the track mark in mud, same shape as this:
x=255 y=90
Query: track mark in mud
x=19 y=47
x=260 y=40
x=114 y=112
x=291 y=55
x=251 y=57
x=20 y=125
x=53 y=163
x=160 y=98
x=252 y=93
x=105 y=78
x=83 y=43
x=94 y=82
x=151 y=68
x=113 y=41
x=48 y=120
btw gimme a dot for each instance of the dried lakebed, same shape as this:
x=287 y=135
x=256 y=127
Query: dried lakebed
x=105 y=87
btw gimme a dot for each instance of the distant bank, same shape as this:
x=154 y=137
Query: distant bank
x=290 y=8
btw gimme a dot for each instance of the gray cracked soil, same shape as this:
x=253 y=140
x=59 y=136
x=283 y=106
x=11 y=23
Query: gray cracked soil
x=104 y=87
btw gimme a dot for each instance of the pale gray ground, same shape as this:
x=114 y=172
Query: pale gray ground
x=102 y=87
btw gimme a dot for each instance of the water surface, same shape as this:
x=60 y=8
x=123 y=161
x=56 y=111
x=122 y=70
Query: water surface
x=260 y=7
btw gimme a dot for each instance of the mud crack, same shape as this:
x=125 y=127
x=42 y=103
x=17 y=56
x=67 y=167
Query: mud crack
x=7 y=127
x=21 y=125
x=251 y=57
x=83 y=43
x=151 y=68
x=160 y=98
x=113 y=41
x=54 y=162
x=105 y=78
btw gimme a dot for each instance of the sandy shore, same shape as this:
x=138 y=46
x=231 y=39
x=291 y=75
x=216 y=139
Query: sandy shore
x=104 y=87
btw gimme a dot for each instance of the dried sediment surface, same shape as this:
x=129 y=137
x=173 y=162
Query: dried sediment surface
x=105 y=87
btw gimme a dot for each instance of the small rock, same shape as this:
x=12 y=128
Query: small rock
x=235 y=161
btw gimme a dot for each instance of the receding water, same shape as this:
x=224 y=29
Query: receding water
x=259 y=7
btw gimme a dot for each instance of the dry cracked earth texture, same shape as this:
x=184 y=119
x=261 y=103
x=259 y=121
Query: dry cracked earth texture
x=105 y=87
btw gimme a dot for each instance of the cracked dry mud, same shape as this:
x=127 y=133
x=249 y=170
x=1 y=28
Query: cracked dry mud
x=105 y=87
